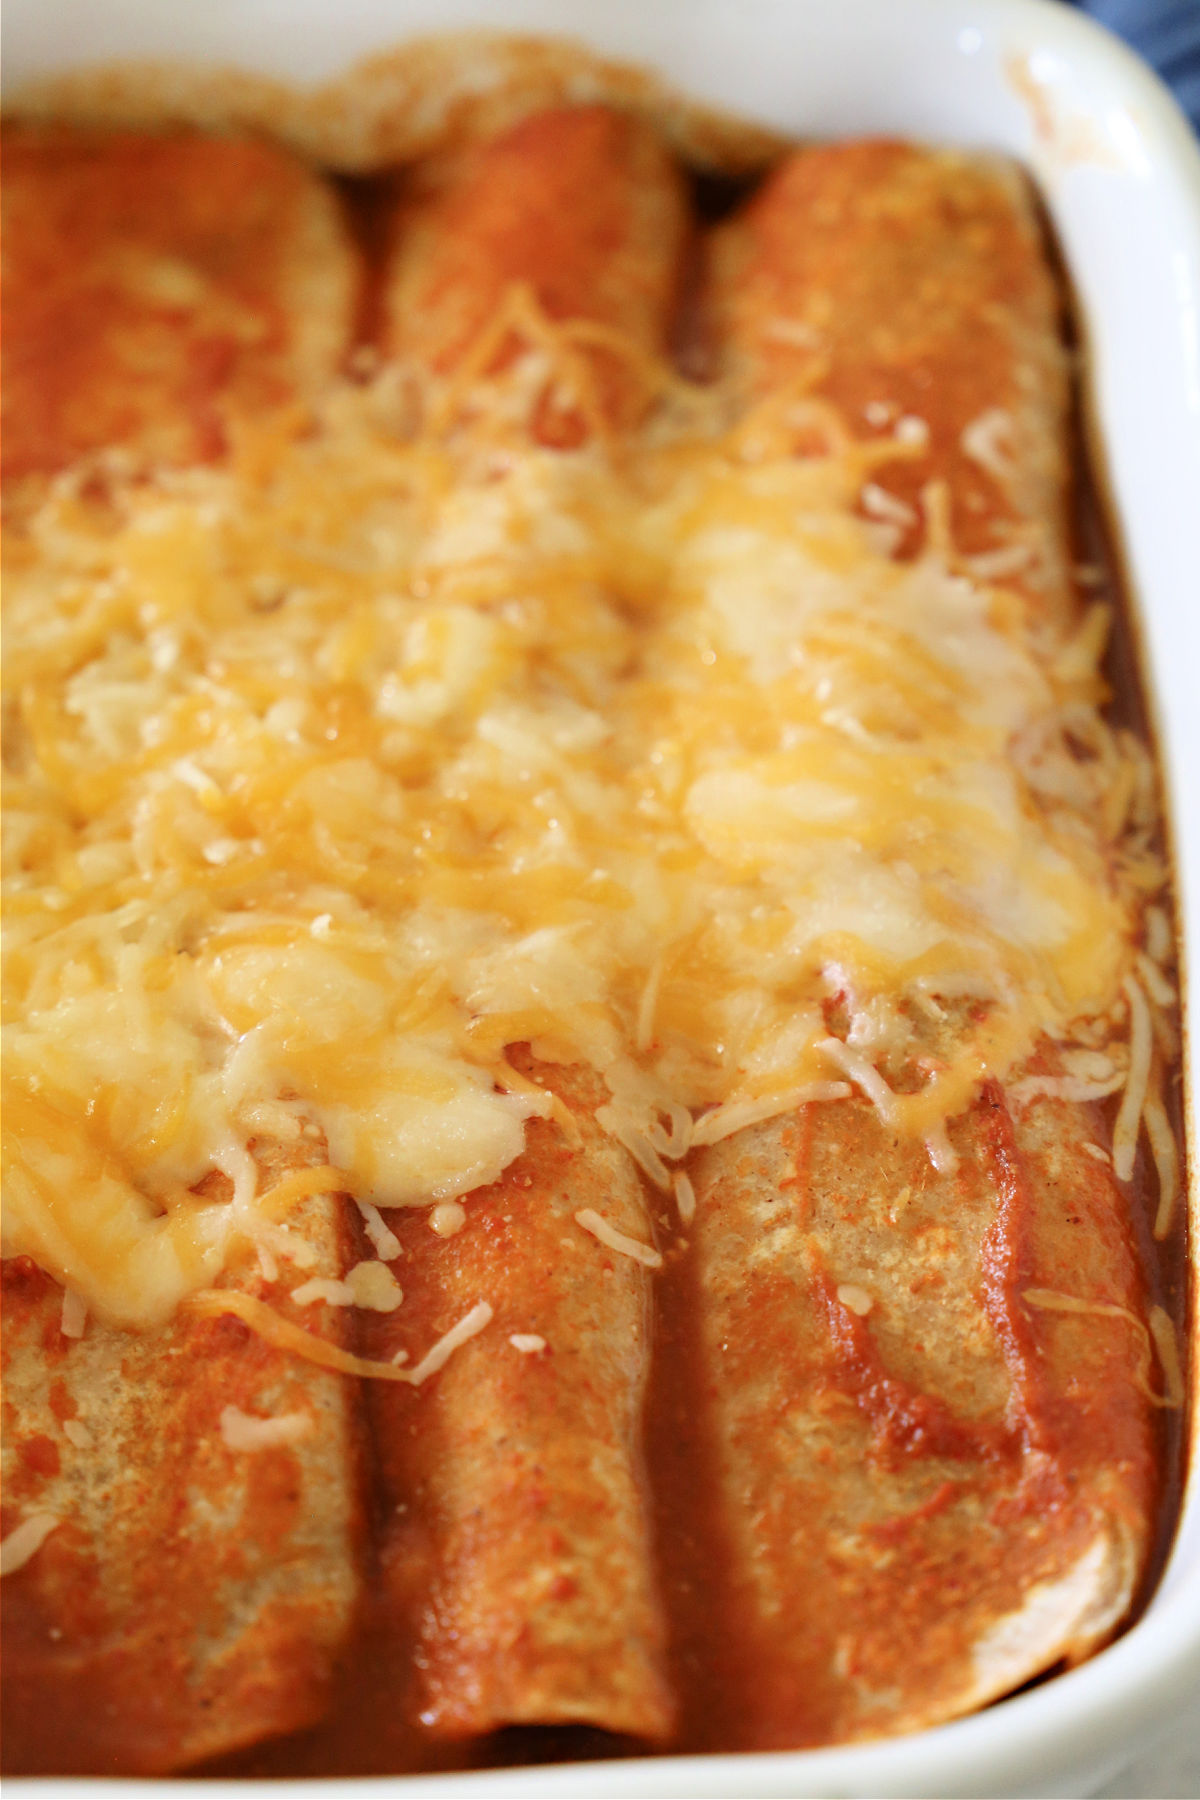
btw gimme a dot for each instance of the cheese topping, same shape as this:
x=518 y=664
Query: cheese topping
x=598 y=1227
x=334 y=771
x=248 y=1431
x=25 y=1540
x=1158 y=1335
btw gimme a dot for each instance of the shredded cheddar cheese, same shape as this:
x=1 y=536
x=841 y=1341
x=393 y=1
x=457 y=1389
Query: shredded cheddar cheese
x=336 y=770
x=212 y=1303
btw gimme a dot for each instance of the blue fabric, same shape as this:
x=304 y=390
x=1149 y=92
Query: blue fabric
x=1167 y=34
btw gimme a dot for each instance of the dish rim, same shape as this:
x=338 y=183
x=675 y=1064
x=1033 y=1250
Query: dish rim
x=1084 y=1721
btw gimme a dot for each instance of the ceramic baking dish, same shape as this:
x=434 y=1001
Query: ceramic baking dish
x=1120 y=175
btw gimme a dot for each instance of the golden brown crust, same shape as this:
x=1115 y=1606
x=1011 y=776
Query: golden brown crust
x=155 y=286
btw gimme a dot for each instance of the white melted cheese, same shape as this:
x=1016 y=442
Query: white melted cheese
x=335 y=772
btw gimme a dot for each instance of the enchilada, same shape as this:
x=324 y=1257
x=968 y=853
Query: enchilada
x=197 y=1570
x=937 y=1359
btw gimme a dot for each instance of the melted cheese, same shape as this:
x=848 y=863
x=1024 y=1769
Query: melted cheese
x=335 y=771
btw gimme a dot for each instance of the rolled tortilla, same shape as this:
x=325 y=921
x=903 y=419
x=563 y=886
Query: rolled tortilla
x=199 y=1491
x=929 y=1486
x=521 y=1546
x=517 y=1537
x=911 y=289
x=157 y=286
x=198 y=1582
x=580 y=208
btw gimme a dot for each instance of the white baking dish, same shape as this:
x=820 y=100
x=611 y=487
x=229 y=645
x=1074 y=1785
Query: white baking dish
x=1121 y=178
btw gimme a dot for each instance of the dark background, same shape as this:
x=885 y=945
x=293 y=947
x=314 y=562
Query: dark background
x=1166 y=33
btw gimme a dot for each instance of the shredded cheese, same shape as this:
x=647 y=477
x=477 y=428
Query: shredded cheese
x=941 y=1151
x=1062 y=1087
x=1156 y=1335
x=685 y=1196
x=1166 y=1161
x=880 y=504
x=74 y=1314
x=1155 y=982
x=638 y=1143
x=855 y=1299
x=384 y=1241
x=247 y=1431
x=370 y=1285
x=724 y=1121
x=1157 y=929
x=338 y=769
x=470 y=1326
x=612 y=1239
x=676 y=1141
x=1162 y=1330
x=263 y=1319
x=25 y=1540
x=988 y=440
x=647 y=1006
x=1128 y=1121
x=864 y=1075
